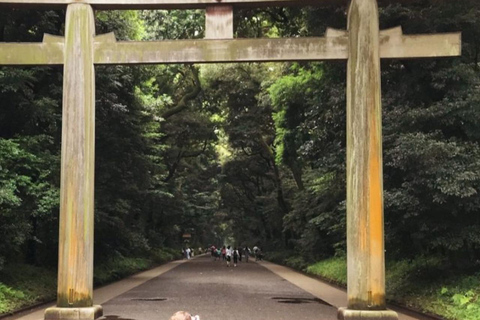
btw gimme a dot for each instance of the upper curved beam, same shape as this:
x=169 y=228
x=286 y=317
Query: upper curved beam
x=182 y=4
x=170 y=4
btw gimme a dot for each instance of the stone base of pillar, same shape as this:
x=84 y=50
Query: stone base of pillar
x=348 y=314
x=90 y=313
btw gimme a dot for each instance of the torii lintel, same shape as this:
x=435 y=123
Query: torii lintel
x=182 y=4
x=334 y=46
x=171 y=4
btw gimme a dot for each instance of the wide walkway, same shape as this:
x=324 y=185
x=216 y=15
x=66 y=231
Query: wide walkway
x=253 y=291
x=215 y=292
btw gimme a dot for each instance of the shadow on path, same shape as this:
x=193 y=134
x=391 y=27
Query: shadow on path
x=300 y=300
x=111 y=317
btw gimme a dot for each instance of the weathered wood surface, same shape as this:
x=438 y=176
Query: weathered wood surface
x=31 y=54
x=260 y=50
x=332 y=47
x=48 y=52
x=187 y=4
x=75 y=262
x=365 y=234
x=175 y=4
x=393 y=44
x=209 y=51
x=219 y=22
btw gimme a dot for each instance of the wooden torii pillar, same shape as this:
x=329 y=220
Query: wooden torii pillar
x=362 y=45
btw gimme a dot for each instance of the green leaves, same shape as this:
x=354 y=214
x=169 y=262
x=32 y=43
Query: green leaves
x=174 y=24
x=458 y=301
x=27 y=190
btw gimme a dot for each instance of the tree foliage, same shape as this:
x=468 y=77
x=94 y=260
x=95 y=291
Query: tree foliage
x=252 y=153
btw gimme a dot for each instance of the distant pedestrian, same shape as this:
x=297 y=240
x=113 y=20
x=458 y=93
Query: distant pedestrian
x=257 y=251
x=235 y=256
x=218 y=254
x=224 y=253
x=247 y=253
x=240 y=254
x=213 y=252
x=259 y=255
x=188 y=253
x=228 y=255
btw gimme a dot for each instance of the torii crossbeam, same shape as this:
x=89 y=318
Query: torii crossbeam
x=181 y=4
x=363 y=45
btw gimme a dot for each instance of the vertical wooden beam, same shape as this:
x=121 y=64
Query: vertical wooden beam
x=365 y=235
x=219 y=22
x=75 y=262
x=75 y=269
x=366 y=267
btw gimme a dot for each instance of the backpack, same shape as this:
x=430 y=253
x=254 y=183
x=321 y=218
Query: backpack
x=235 y=253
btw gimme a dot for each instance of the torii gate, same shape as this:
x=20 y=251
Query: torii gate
x=362 y=45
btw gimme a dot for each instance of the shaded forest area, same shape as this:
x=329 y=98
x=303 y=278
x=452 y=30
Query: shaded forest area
x=251 y=154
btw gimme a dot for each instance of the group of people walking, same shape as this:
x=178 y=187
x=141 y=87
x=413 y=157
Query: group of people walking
x=227 y=253
x=188 y=253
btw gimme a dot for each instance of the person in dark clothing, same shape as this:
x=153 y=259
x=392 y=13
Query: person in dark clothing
x=235 y=256
x=247 y=253
x=224 y=253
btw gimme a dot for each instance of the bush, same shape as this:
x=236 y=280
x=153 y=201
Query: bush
x=334 y=269
x=459 y=303
x=287 y=258
x=455 y=297
x=406 y=276
x=24 y=285
x=423 y=283
x=279 y=257
x=118 y=268
x=165 y=254
x=9 y=298
x=296 y=263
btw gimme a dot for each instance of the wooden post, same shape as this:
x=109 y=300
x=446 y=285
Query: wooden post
x=75 y=263
x=75 y=269
x=219 y=22
x=365 y=238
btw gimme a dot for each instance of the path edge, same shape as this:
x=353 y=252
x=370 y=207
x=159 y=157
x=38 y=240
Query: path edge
x=335 y=285
x=42 y=305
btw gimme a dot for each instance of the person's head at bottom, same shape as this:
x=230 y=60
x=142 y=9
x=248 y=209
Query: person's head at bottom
x=183 y=315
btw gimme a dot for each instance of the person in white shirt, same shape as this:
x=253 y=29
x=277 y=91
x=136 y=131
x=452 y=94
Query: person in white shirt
x=235 y=256
x=256 y=251
x=229 y=255
x=188 y=253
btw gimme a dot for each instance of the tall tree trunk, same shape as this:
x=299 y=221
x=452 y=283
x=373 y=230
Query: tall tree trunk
x=297 y=174
x=278 y=181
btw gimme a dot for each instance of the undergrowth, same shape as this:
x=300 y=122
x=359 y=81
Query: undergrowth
x=23 y=285
x=423 y=283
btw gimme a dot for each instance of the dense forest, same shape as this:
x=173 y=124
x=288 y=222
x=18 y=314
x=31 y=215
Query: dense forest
x=247 y=154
